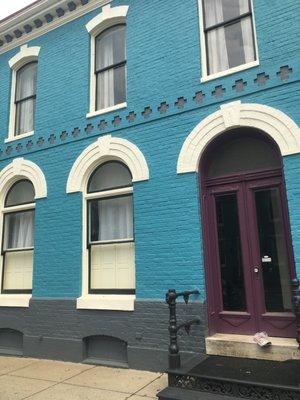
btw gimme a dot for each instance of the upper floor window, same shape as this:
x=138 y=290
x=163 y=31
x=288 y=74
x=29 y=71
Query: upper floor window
x=23 y=92
x=229 y=36
x=25 y=97
x=18 y=238
x=108 y=60
x=110 y=67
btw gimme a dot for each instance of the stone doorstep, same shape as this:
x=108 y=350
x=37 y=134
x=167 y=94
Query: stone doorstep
x=230 y=345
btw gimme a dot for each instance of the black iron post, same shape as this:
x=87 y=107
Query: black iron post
x=174 y=356
x=171 y=296
x=296 y=304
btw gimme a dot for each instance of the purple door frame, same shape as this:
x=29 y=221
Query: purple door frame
x=255 y=318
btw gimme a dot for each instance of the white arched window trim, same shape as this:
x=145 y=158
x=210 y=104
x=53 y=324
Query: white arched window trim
x=106 y=148
x=108 y=17
x=23 y=57
x=18 y=169
x=273 y=122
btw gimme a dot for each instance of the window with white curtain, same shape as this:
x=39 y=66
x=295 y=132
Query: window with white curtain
x=110 y=67
x=18 y=238
x=25 y=98
x=229 y=34
x=110 y=233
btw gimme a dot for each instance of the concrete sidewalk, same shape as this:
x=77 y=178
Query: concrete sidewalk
x=27 y=378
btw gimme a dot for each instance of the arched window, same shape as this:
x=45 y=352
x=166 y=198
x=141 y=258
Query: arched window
x=110 y=230
x=18 y=238
x=110 y=67
x=25 y=97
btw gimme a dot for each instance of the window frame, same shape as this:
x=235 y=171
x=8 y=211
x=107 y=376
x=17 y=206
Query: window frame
x=9 y=210
x=203 y=43
x=107 y=18
x=17 y=102
x=25 y=56
x=110 y=193
x=110 y=67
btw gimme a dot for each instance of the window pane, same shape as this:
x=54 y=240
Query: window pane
x=26 y=81
x=217 y=11
x=25 y=112
x=120 y=85
x=111 y=219
x=274 y=255
x=112 y=266
x=21 y=192
x=105 y=89
x=18 y=270
x=19 y=230
x=230 y=256
x=109 y=176
x=242 y=154
x=230 y=46
x=110 y=47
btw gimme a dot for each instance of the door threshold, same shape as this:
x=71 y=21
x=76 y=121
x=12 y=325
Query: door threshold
x=231 y=345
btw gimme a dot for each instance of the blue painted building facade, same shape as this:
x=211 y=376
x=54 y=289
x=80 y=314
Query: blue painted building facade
x=166 y=100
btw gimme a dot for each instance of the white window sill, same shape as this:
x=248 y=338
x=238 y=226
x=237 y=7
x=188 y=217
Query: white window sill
x=230 y=71
x=14 y=300
x=106 y=302
x=106 y=110
x=18 y=137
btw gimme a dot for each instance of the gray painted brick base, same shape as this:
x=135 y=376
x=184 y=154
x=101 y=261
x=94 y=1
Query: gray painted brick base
x=55 y=329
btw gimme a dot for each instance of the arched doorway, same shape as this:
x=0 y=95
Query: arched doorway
x=248 y=255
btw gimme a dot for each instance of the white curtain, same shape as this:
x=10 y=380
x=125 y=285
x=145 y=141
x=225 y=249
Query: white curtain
x=105 y=84
x=115 y=218
x=19 y=230
x=216 y=42
x=247 y=34
x=218 y=49
x=25 y=116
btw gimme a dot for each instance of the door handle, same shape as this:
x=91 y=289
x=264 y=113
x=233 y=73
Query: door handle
x=256 y=270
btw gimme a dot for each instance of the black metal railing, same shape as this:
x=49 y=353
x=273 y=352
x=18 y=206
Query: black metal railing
x=296 y=304
x=171 y=297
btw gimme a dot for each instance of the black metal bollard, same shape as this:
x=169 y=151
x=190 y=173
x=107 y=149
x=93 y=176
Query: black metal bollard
x=174 y=356
x=171 y=296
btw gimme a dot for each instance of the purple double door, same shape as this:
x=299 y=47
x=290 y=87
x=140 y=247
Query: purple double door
x=249 y=265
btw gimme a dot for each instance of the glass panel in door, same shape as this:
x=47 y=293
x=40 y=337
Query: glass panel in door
x=230 y=256
x=273 y=250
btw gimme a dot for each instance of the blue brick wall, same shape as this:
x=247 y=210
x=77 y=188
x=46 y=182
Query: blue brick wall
x=163 y=64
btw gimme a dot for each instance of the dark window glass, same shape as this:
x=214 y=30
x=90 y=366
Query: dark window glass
x=110 y=175
x=230 y=258
x=274 y=257
x=21 y=192
x=243 y=154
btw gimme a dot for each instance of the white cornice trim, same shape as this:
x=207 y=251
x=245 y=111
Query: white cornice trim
x=104 y=149
x=273 y=122
x=9 y=26
x=108 y=16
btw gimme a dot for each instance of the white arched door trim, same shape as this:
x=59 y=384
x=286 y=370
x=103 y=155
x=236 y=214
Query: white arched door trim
x=273 y=122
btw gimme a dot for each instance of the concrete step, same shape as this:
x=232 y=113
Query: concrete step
x=171 y=393
x=282 y=349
